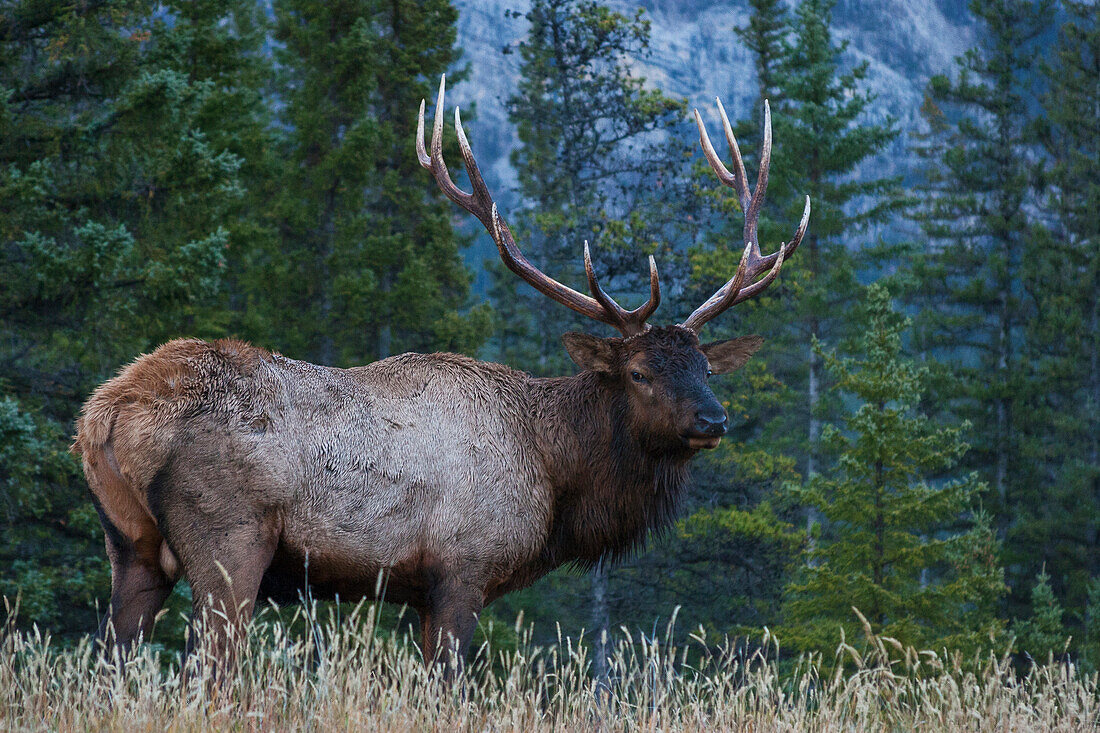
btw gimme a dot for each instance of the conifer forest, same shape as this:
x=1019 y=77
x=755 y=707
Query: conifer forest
x=913 y=454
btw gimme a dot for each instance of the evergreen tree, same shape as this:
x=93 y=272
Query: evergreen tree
x=765 y=35
x=1042 y=636
x=822 y=134
x=592 y=164
x=822 y=121
x=114 y=195
x=971 y=282
x=366 y=262
x=901 y=543
x=223 y=43
x=1057 y=519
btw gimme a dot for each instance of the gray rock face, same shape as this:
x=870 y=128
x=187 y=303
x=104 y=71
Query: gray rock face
x=696 y=55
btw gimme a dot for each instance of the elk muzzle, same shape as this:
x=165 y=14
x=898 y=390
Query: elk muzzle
x=710 y=425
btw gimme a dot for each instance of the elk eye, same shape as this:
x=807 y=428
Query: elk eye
x=637 y=377
x=710 y=373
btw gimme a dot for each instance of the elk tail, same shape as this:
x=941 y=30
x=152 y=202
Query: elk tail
x=119 y=479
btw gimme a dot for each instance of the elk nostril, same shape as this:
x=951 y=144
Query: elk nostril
x=711 y=424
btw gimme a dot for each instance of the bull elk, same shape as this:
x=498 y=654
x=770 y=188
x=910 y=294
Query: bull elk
x=459 y=480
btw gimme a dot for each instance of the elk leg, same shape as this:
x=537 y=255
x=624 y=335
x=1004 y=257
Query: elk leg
x=448 y=624
x=138 y=590
x=225 y=576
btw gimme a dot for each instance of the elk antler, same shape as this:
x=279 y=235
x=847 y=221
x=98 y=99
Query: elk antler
x=480 y=204
x=741 y=286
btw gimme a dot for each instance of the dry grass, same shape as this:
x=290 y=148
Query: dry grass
x=358 y=679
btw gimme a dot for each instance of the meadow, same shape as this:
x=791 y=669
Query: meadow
x=347 y=674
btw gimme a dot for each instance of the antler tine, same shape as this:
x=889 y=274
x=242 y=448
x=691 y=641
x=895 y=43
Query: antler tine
x=752 y=213
x=613 y=309
x=742 y=186
x=629 y=322
x=421 y=151
x=480 y=203
x=434 y=162
x=752 y=263
x=716 y=163
x=481 y=191
x=650 y=306
x=723 y=298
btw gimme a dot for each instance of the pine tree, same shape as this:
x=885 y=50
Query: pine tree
x=366 y=262
x=592 y=163
x=1042 y=636
x=901 y=542
x=1057 y=518
x=822 y=133
x=971 y=282
x=114 y=196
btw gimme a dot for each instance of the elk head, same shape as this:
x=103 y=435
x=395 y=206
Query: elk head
x=662 y=371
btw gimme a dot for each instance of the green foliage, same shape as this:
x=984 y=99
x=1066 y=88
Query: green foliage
x=1008 y=298
x=978 y=182
x=1042 y=635
x=900 y=542
x=593 y=166
x=365 y=246
x=115 y=197
x=1063 y=335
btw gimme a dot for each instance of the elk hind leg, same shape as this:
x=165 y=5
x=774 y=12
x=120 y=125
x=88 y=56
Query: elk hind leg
x=140 y=584
x=225 y=576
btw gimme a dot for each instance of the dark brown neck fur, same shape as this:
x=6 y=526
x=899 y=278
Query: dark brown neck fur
x=609 y=488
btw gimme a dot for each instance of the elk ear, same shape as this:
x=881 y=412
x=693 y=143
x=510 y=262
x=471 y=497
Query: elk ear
x=725 y=356
x=590 y=352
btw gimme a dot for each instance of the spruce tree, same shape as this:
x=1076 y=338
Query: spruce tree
x=822 y=132
x=823 y=122
x=975 y=304
x=1041 y=636
x=114 y=194
x=1057 y=518
x=592 y=164
x=901 y=541
x=366 y=262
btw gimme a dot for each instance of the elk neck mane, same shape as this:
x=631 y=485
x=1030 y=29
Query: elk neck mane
x=609 y=488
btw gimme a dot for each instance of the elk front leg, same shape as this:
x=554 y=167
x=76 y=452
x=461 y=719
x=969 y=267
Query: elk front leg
x=447 y=624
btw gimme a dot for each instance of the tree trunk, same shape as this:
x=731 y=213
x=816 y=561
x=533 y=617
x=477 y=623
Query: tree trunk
x=384 y=340
x=1001 y=466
